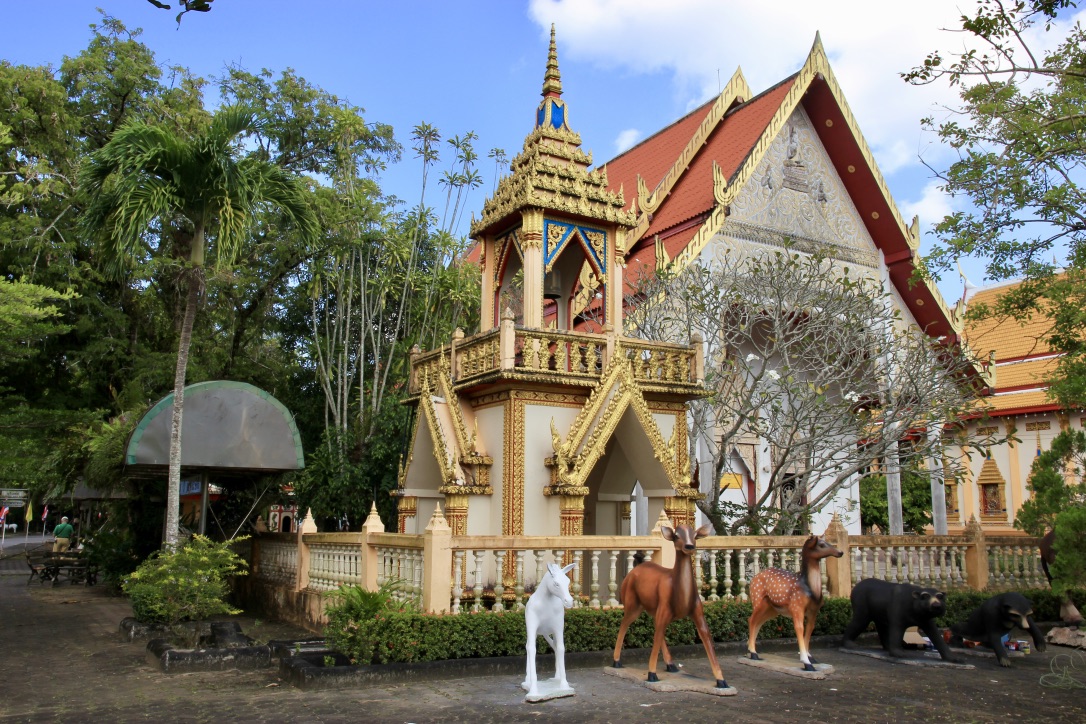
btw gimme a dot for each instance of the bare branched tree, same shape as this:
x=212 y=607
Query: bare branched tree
x=811 y=365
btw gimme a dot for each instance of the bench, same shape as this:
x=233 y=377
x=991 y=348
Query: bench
x=37 y=564
x=48 y=566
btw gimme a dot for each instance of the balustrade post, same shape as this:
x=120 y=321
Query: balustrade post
x=667 y=548
x=976 y=556
x=698 y=343
x=507 y=337
x=454 y=362
x=368 y=560
x=436 y=564
x=839 y=570
x=301 y=581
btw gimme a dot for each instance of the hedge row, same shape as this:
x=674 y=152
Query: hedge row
x=414 y=637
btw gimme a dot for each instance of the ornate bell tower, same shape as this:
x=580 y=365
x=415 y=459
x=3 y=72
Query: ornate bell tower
x=544 y=421
x=553 y=229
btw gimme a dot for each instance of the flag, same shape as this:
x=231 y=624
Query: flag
x=44 y=514
x=3 y=513
x=29 y=511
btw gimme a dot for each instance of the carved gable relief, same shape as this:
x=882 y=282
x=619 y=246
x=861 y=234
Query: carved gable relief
x=795 y=193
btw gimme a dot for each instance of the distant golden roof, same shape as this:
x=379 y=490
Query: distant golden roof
x=1009 y=338
x=1015 y=400
x=1033 y=373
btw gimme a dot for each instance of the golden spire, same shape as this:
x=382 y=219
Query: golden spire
x=552 y=80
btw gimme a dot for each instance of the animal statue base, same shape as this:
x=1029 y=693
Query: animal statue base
x=668 y=681
x=907 y=660
x=786 y=665
x=548 y=689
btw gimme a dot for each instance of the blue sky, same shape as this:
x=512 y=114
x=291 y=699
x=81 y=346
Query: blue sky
x=629 y=67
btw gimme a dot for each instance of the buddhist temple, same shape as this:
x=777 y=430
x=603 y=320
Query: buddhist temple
x=549 y=420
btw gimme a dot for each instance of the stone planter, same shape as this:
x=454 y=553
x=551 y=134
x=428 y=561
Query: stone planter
x=224 y=648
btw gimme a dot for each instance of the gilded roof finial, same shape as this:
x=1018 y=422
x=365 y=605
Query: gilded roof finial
x=552 y=80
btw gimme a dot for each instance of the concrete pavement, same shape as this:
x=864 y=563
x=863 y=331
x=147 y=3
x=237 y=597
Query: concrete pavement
x=61 y=660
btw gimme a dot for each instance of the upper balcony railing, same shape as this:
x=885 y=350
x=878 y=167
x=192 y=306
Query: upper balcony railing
x=512 y=350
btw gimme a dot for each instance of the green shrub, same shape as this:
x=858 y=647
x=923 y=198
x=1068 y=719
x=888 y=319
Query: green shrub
x=354 y=606
x=395 y=636
x=189 y=584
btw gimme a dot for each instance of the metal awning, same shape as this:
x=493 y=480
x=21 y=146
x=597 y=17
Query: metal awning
x=228 y=428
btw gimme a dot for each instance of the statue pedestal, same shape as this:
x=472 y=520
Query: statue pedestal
x=669 y=681
x=548 y=689
x=880 y=654
x=786 y=665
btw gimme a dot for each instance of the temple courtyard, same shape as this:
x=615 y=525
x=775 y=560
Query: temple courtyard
x=61 y=659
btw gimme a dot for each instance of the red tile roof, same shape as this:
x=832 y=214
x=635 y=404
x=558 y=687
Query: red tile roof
x=655 y=155
x=729 y=145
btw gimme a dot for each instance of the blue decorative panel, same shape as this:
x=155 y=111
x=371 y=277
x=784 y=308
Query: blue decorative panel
x=558 y=115
x=557 y=234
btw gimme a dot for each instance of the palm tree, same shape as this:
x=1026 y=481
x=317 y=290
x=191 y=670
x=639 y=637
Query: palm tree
x=199 y=191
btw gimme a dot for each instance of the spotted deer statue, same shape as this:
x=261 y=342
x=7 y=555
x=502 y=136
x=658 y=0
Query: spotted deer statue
x=669 y=594
x=776 y=591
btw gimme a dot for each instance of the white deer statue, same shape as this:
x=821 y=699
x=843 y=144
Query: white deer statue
x=545 y=615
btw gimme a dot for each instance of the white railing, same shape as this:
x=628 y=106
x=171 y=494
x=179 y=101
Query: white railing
x=727 y=564
x=1013 y=565
x=332 y=565
x=278 y=562
x=400 y=565
x=933 y=561
x=499 y=572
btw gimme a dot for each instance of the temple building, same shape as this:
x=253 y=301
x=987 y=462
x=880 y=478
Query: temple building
x=996 y=482
x=549 y=421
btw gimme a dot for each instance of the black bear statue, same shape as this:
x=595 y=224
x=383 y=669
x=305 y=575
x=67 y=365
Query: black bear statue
x=996 y=617
x=895 y=607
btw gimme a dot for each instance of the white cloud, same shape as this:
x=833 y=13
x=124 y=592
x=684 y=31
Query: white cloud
x=931 y=207
x=626 y=139
x=869 y=45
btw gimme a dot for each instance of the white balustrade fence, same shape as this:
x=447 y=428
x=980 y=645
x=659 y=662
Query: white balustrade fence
x=278 y=562
x=1012 y=565
x=924 y=564
x=475 y=573
x=332 y=565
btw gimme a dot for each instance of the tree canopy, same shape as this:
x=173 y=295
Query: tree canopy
x=1020 y=144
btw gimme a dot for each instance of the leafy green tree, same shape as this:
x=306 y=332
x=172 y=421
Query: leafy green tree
x=1056 y=484
x=915 y=501
x=149 y=187
x=1020 y=152
x=1057 y=502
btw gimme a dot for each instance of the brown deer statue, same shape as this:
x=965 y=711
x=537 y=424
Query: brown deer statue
x=668 y=594
x=775 y=591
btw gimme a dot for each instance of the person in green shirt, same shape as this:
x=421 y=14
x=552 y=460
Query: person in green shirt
x=62 y=535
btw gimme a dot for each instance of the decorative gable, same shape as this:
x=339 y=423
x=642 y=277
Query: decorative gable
x=795 y=195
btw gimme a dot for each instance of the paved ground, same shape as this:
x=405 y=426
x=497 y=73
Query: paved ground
x=61 y=660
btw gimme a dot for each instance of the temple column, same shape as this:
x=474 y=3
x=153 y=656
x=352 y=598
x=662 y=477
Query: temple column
x=572 y=514
x=407 y=508
x=456 y=512
x=680 y=511
x=532 y=246
x=487 y=317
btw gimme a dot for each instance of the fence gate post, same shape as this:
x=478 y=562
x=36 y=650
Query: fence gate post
x=437 y=564
x=666 y=555
x=308 y=526
x=369 y=561
x=839 y=570
x=976 y=556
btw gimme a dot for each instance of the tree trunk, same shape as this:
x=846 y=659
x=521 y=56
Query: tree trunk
x=173 y=484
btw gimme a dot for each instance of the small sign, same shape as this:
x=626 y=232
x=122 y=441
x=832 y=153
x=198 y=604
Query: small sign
x=14 y=497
